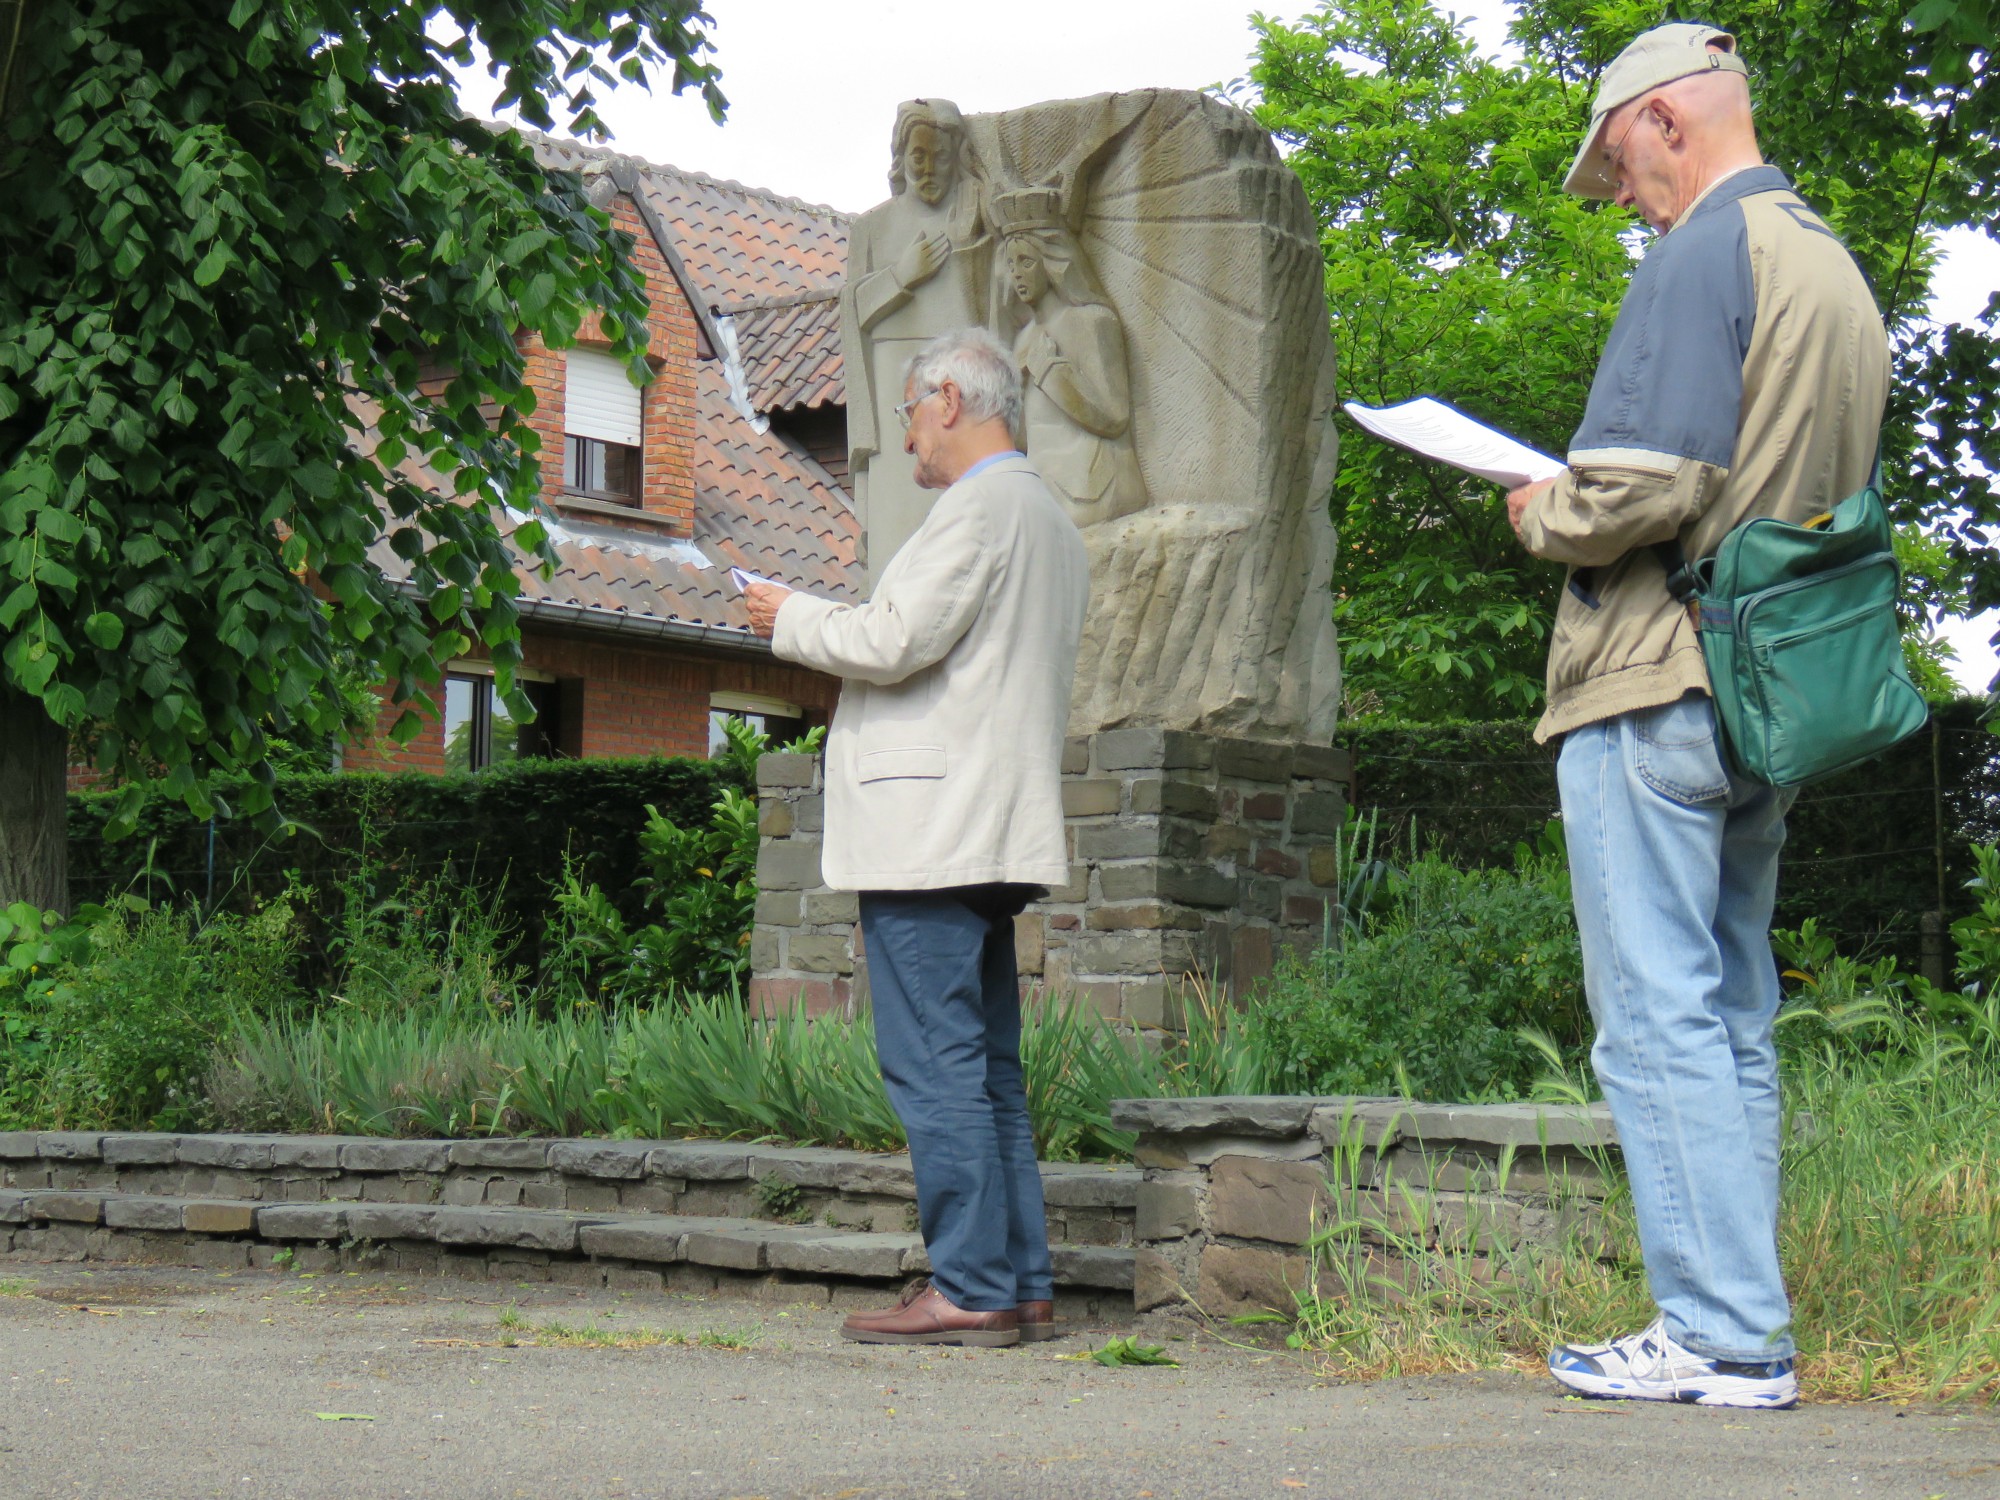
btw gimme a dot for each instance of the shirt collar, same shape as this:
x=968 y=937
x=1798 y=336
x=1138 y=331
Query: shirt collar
x=989 y=461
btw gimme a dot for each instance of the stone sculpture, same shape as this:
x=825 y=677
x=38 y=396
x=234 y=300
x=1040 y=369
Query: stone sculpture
x=1071 y=349
x=1162 y=281
x=916 y=266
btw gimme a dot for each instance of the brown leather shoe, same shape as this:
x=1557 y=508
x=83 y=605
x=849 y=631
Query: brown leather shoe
x=1037 y=1322
x=911 y=1292
x=931 y=1318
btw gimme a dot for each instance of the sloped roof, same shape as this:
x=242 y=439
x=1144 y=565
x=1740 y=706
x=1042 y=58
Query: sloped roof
x=759 y=504
x=791 y=351
x=772 y=264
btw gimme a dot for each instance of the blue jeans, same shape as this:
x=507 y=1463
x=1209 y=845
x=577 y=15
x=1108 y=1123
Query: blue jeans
x=1674 y=869
x=947 y=1007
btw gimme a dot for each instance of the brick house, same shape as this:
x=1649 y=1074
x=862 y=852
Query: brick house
x=735 y=454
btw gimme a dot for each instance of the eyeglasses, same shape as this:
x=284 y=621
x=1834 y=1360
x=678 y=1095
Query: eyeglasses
x=1617 y=152
x=907 y=409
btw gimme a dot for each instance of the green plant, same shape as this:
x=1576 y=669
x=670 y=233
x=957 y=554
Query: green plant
x=1886 y=1231
x=699 y=1066
x=1845 y=1005
x=403 y=943
x=783 y=1201
x=1439 y=990
x=699 y=888
x=120 y=1033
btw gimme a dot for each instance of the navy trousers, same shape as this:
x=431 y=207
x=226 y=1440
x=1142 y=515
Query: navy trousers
x=947 y=1007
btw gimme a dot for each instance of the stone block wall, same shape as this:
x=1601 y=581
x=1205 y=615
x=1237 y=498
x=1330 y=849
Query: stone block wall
x=1191 y=856
x=1236 y=1190
x=789 y=1222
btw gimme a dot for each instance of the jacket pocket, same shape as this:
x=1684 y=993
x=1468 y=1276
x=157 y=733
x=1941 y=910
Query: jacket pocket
x=1676 y=752
x=900 y=762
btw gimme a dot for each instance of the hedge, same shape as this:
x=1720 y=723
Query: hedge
x=504 y=832
x=1862 y=853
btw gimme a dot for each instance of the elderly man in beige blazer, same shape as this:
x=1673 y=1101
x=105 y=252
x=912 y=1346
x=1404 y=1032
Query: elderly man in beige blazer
x=944 y=810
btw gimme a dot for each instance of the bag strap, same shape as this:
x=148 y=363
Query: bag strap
x=1681 y=580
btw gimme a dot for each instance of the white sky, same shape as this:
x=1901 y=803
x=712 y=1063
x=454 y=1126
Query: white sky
x=813 y=89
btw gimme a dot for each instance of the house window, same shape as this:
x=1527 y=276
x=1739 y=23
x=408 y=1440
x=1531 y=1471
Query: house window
x=601 y=420
x=600 y=470
x=780 y=722
x=479 y=732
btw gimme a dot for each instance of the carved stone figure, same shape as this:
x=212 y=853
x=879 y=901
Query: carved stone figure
x=1072 y=355
x=916 y=266
x=1210 y=608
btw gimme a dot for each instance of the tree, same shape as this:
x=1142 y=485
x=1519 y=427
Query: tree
x=235 y=242
x=1456 y=266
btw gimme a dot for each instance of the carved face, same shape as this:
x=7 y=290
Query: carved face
x=1025 y=269
x=930 y=162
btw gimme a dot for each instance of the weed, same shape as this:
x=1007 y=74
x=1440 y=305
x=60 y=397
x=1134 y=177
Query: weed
x=15 y=1286
x=782 y=1200
x=594 y=1335
x=1886 y=1231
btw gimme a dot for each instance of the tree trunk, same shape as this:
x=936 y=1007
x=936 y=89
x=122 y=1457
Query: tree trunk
x=34 y=804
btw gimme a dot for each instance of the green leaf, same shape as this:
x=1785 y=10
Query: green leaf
x=105 y=630
x=209 y=269
x=18 y=602
x=1127 y=1351
x=1931 y=14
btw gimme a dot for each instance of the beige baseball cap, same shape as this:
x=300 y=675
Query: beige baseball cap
x=1653 y=58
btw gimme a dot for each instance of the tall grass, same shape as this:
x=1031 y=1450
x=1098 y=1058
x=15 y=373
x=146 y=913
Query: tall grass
x=695 y=1067
x=1889 y=1231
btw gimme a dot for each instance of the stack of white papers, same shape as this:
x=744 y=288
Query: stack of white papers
x=1435 y=430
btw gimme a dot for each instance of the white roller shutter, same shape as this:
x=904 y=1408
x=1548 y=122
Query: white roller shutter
x=599 y=399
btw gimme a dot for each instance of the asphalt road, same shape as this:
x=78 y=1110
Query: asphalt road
x=145 y=1382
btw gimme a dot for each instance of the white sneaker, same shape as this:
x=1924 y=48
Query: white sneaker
x=1650 y=1366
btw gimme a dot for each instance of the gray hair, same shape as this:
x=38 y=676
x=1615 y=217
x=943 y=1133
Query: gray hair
x=983 y=369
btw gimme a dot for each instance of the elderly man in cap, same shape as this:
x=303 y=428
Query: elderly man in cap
x=1745 y=376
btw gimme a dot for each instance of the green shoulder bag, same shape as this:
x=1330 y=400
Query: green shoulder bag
x=1805 y=654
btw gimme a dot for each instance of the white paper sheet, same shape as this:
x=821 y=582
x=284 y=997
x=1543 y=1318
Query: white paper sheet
x=743 y=578
x=1430 y=427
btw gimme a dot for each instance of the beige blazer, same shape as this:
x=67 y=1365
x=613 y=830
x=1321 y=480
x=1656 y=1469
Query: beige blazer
x=943 y=763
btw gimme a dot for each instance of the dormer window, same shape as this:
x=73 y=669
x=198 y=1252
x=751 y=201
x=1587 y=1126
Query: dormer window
x=601 y=426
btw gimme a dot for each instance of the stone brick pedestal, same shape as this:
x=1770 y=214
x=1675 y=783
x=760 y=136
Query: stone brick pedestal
x=1192 y=857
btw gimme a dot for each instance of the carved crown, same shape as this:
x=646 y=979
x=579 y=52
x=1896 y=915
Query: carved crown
x=1028 y=208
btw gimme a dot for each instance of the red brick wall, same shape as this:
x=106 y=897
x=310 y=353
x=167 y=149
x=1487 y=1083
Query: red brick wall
x=634 y=699
x=667 y=410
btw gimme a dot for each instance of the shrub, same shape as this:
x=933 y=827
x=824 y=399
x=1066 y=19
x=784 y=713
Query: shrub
x=119 y=1035
x=1843 y=1006
x=507 y=832
x=699 y=890
x=1439 y=993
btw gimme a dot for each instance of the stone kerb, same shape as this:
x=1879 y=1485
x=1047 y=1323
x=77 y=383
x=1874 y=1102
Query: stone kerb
x=1237 y=1190
x=589 y=1211
x=1192 y=856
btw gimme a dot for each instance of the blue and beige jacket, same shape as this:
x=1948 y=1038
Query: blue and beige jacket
x=1745 y=376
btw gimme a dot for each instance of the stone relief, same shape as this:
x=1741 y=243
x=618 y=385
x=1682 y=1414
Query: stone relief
x=916 y=266
x=1071 y=349
x=1157 y=268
